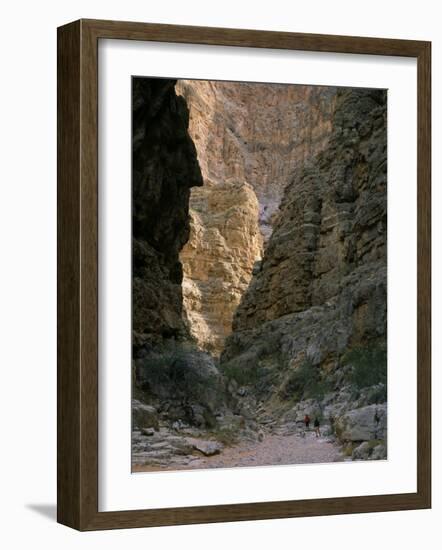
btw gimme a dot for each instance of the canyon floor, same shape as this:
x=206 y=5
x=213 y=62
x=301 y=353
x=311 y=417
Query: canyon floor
x=273 y=450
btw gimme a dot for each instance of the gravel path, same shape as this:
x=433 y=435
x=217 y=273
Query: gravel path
x=275 y=449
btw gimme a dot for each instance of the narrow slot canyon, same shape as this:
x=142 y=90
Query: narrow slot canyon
x=259 y=274
x=250 y=141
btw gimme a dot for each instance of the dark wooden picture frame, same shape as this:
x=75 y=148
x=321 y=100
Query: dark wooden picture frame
x=78 y=274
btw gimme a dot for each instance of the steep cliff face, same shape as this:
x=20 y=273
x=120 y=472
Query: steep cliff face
x=287 y=238
x=175 y=385
x=165 y=167
x=320 y=290
x=218 y=259
x=253 y=138
x=259 y=133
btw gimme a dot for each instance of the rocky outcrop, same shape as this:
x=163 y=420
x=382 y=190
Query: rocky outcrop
x=251 y=140
x=165 y=167
x=285 y=244
x=218 y=259
x=259 y=133
x=176 y=385
x=327 y=255
x=363 y=424
x=320 y=290
x=330 y=239
x=144 y=416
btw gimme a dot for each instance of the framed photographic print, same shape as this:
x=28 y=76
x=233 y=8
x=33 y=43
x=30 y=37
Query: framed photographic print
x=244 y=275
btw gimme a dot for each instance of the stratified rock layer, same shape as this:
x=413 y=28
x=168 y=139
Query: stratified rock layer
x=251 y=140
x=259 y=133
x=218 y=259
x=321 y=287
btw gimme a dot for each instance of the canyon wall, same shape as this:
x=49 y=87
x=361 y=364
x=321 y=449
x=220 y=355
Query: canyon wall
x=165 y=167
x=277 y=262
x=218 y=259
x=258 y=133
x=174 y=383
x=252 y=139
x=320 y=289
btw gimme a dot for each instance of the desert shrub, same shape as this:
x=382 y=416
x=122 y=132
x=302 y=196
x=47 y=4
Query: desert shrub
x=369 y=366
x=244 y=376
x=377 y=395
x=153 y=371
x=226 y=436
x=348 y=449
x=185 y=376
x=271 y=345
x=305 y=383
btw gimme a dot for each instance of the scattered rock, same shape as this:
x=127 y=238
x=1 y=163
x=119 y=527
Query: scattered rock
x=144 y=416
x=362 y=452
x=207 y=448
x=379 y=452
x=364 y=424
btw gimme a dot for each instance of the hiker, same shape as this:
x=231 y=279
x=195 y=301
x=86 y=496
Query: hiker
x=316 y=425
x=307 y=421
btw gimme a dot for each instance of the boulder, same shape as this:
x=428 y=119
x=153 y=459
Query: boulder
x=206 y=447
x=379 y=452
x=362 y=451
x=363 y=424
x=180 y=445
x=144 y=416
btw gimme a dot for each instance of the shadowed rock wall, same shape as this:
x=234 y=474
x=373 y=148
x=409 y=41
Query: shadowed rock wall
x=165 y=167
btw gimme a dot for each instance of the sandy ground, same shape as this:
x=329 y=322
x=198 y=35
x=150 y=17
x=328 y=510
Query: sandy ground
x=275 y=449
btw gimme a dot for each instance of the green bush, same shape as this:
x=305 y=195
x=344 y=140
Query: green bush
x=244 y=376
x=368 y=366
x=179 y=374
x=377 y=395
x=226 y=436
x=305 y=383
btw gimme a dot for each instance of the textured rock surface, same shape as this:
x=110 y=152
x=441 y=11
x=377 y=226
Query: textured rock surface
x=363 y=424
x=144 y=416
x=218 y=259
x=183 y=383
x=207 y=448
x=176 y=386
x=329 y=242
x=259 y=133
x=165 y=167
x=323 y=275
x=251 y=140
x=320 y=290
